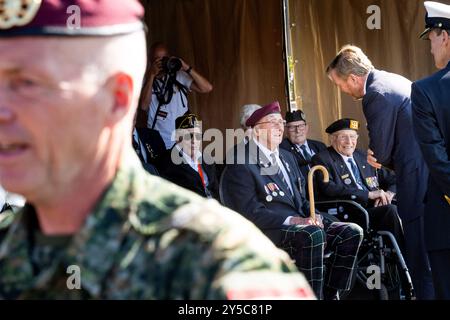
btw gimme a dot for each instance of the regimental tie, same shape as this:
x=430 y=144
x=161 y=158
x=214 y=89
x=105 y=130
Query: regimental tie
x=306 y=154
x=356 y=174
x=200 y=172
x=202 y=178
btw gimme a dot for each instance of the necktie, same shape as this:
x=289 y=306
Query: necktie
x=202 y=177
x=200 y=172
x=279 y=172
x=306 y=154
x=356 y=174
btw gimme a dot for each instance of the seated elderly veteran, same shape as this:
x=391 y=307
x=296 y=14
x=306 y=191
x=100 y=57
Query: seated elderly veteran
x=268 y=189
x=184 y=165
x=297 y=141
x=352 y=178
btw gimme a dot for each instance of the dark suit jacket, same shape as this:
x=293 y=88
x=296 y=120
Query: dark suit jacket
x=186 y=177
x=153 y=144
x=431 y=115
x=315 y=145
x=387 y=108
x=246 y=188
x=337 y=188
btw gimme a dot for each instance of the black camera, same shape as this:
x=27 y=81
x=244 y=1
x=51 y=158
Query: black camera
x=171 y=65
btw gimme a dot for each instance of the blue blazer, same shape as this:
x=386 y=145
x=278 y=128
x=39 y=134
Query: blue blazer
x=264 y=199
x=387 y=108
x=431 y=117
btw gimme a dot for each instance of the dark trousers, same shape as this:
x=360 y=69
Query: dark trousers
x=440 y=264
x=417 y=259
x=385 y=218
x=307 y=245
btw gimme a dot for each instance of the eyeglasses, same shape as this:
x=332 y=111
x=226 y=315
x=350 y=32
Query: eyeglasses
x=274 y=123
x=343 y=137
x=292 y=128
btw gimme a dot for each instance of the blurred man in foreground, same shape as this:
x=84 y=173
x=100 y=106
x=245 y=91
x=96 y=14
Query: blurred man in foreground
x=96 y=225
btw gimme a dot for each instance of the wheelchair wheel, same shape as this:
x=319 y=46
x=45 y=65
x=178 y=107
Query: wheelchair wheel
x=383 y=293
x=392 y=281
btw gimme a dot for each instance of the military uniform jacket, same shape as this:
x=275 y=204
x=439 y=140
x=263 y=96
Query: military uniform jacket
x=148 y=239
x=153 y=145
x=431 y=115
x=260 y=195
x=387 y=108
x=315 y=145
x=342 y=186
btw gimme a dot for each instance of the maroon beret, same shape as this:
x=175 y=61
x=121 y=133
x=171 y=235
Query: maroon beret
x=274 y=107
x=70 y=18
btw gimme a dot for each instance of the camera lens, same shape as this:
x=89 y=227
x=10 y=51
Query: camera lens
x=171 y=65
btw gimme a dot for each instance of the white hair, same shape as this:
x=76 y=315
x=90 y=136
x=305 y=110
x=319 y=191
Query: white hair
x=246 y=111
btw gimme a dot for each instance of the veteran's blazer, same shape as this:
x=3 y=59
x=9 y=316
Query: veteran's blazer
x=342 y=186
x=260 y=195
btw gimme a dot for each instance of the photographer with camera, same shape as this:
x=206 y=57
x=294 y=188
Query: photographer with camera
x=166 y=85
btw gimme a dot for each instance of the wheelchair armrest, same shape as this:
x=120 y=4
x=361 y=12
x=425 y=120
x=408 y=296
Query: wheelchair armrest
x=344 y=210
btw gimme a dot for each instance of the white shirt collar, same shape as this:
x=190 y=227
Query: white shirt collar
x=365 y=83
x=266 y=151
x=188 y=159
x=304 y=144
x=345 y=158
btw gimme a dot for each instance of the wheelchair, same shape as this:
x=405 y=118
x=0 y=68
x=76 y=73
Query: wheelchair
x=379 y=255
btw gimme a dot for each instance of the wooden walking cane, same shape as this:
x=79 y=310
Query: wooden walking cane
x=326 y=178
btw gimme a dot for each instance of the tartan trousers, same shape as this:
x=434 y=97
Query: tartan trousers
x=308 y=244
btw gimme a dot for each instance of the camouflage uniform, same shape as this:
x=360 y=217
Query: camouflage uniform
x=146 y=239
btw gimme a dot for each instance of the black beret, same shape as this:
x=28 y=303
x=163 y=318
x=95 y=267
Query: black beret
x=297 y=115
x=187 y=121
x=343 y=124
